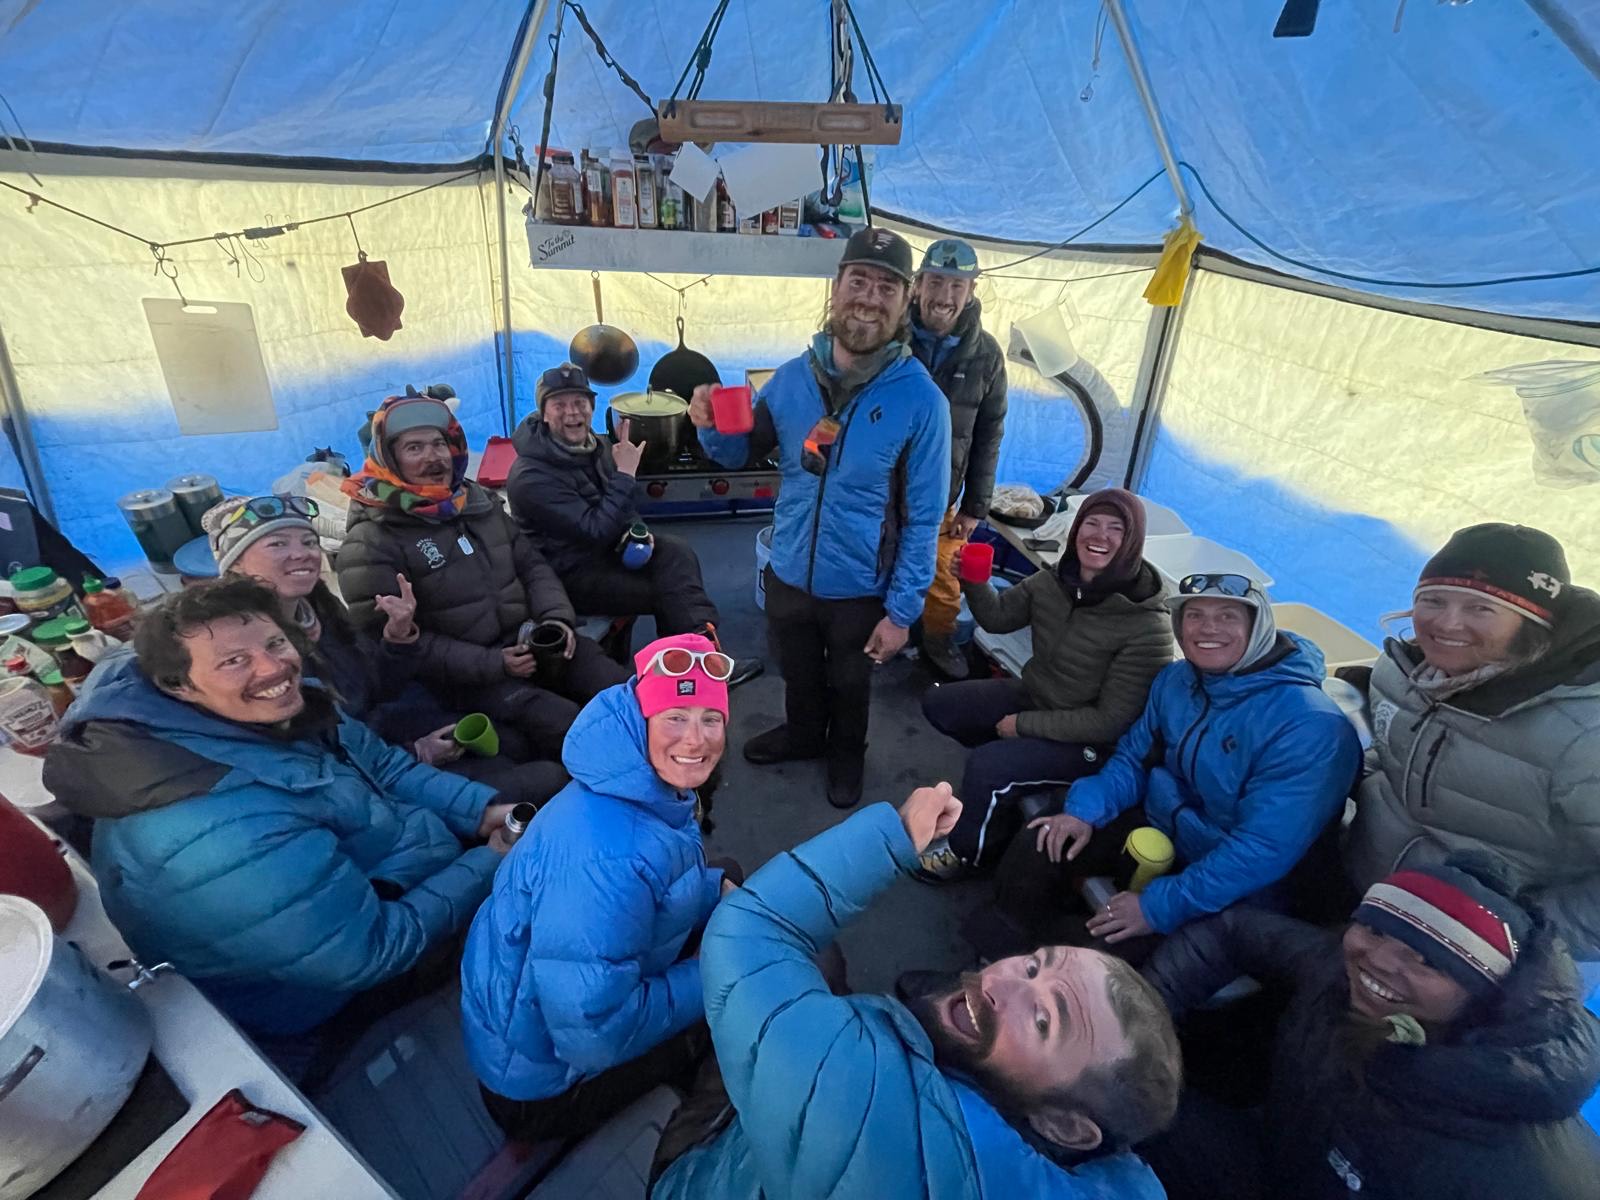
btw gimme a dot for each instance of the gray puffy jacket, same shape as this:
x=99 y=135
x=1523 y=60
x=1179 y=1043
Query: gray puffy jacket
x=1512 y=766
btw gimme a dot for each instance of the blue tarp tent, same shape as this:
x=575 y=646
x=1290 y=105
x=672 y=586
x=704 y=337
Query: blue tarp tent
x=1314 y=401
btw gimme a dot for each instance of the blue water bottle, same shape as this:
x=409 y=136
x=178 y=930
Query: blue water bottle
x=636 y=547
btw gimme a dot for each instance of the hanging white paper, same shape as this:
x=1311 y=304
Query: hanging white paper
x=761 y=175
x=694 y=171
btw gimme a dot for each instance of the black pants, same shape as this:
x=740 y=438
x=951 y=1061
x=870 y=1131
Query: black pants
x=1037 y=901
x=668 y=588
x=821 y=648
x=590 y=1103
x=517 y=783
x=543 y=715
x=1000 y=772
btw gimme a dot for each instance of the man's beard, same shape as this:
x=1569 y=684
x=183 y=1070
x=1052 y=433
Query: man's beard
x=970 y=1058
x=862 y=336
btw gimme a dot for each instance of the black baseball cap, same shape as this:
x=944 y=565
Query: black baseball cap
x=565 y=378
x=876 y=247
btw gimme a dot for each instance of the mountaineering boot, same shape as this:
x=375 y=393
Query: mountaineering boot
x=940 y=864
x=782 y=744
x=946 y=657
x=846 y=771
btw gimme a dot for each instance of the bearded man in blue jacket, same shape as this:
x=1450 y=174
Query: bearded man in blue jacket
x=862 y=435
x=1239 y=758
x=1028 y=1079
x=270 y=846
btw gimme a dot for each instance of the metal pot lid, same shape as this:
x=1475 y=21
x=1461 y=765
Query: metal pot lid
x=650 y=404
x=14 y=623
x=148 y=500
x=26 y=946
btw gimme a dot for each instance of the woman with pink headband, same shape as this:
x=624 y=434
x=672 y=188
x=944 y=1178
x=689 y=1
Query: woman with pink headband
x=580 y=985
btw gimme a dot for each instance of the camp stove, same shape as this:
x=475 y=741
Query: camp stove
x=691 y=486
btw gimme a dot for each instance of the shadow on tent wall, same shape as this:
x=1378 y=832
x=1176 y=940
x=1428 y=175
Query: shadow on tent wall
x=1351 y=566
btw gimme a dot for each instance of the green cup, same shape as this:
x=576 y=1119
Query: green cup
x=477 y=735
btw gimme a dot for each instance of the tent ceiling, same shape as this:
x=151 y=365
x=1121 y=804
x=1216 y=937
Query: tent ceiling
x=1459 y=148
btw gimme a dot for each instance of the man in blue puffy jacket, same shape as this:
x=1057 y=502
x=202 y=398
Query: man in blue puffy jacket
x=272 y=848
x=862 y=436
x=1029 y=1079
x=1239 y=758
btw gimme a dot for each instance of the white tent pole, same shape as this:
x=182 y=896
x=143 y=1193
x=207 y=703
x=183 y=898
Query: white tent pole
x=22 y=435
x=1147 y=97
x=530 y=37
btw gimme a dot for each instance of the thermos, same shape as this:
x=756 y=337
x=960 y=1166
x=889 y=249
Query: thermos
x=1146 y=854
x=636 y=548
x=519 y=818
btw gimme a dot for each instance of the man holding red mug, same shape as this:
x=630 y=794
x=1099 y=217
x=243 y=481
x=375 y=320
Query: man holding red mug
x=863 y=441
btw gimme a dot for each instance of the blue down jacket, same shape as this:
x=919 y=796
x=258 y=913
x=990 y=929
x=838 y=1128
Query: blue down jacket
x=255 y=863
x=869 y=525
x=840 y=1096
x=572 y=964
x=1243 y=772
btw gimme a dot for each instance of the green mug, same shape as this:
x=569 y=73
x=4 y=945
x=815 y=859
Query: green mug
x=477 y=736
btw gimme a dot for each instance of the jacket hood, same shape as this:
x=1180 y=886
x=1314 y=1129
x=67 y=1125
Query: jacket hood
x=126 y=746
x=1534 y=1059
x=607 y=751
x=1571 y=662
x=1267 y=647
x=1128 y=561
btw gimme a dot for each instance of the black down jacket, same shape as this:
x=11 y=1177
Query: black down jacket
x=475 y=576
x=1486 y=1111
x=973 y=379
x=573 y=506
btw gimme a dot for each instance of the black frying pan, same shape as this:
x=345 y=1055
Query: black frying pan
x=682 y=370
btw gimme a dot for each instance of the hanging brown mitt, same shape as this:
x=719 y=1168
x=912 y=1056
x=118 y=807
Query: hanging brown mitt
x=373 y=303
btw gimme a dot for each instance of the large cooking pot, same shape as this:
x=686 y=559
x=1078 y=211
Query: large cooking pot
x=682 y=370
x=72 y=1043
x=659 y=419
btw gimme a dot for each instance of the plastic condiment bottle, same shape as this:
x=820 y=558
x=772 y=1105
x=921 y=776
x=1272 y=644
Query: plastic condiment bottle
x=60 y=694
x=43 y=594
x=29 y=714
x=108 y=607
x=89 y=643
x=74 y=666
x=727 y=218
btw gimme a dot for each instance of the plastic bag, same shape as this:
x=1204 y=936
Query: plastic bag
x=1561 y=403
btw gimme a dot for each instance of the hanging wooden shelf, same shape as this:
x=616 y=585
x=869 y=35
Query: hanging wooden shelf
x=679 y=252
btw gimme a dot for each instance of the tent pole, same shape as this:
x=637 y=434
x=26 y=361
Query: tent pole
x=1155 y=367
x=1147 y=97
x=1565 y=28
x=20 y=434
x=530 y=35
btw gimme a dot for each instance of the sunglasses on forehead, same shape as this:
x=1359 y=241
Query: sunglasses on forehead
x=1237 y=586
x=567 y=378
x=675 y=662
x=270 y=508
x=948 y=256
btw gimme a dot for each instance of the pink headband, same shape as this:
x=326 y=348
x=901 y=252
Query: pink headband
x=657 y=692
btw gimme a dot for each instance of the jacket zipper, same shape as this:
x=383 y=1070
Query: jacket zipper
x=1427 y=768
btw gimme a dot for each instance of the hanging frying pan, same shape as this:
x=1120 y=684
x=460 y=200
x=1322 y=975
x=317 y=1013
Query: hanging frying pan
x=606 y=354
x=682 y=370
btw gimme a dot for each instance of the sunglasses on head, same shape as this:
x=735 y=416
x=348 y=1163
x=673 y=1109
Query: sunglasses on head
x=270 y=508
x=675 y=662
x=1226 y=584
x=948 y=256
x=564 y=378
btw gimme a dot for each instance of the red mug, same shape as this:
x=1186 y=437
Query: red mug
x=733 y=410
x=977 y=562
